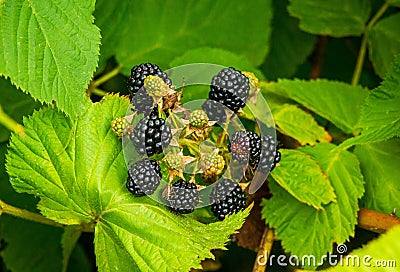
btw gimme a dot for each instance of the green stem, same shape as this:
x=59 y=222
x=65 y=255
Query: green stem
x=363 y=47
x=98 y=92
x=35 y=217
x=10 y=123
x=107 y=76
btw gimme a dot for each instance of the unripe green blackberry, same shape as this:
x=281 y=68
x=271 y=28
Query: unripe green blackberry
x=119 y=126
x=212 y=164
x=155 y=86
x=174 y=161
x=198 y=118
x=252 y=77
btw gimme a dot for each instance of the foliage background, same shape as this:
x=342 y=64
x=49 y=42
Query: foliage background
x=57 y=53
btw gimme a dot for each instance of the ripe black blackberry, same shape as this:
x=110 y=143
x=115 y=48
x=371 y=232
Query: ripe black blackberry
x=142 y=102
x=227 y=198
x=139 y=74
x=245 y=147
x=143 y=177
x=269 y=155
x=231 y=88
x=214 y=110
x=151 y=135
x=183 y=196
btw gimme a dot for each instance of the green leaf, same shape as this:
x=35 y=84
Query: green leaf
x=69 y=239
x=384 y=43
x=337 y=18
x=50 y=49
x=337 y=102
x=305 y=230
x=142 y=31
x=149 y=238
x=300 y=125
x=15 y=103
x=380 y=115
x=289 y=45
x=216 y=56
x=78 y=170
x=302 y=177
x=381 y=254
x=380 y=166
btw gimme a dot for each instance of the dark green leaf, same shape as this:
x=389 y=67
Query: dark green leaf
x=142 y=31
x=289 y=45
x=337 y=18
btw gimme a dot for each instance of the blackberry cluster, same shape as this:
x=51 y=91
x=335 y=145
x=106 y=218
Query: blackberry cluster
x=231 y=88
x=143 y=177
x=151 y=135
x=183 y=197
x=139 y=74
x=245 y=147
x=214 y=110
x=227 y=198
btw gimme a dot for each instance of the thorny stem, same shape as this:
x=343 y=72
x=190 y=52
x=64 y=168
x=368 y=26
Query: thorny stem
x=10 y=123
x=35 y=217
x=107 y=76
x=363 y=47
x=267 y=241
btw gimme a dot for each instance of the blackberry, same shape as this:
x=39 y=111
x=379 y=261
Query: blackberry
x=151 y=135
x=119 y=126
x=245 y=147
x=183 y=196
x=227 y=198
x=198 y=118
x=143 y=177
x=142 y=102
x=212 y=164
x=214 y=110
x=269 y=156
x=231 y=88
x=139 y=74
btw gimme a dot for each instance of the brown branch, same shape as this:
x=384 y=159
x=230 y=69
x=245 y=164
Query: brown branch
x=376 y=221
x=318 y=57
x=264 y=251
